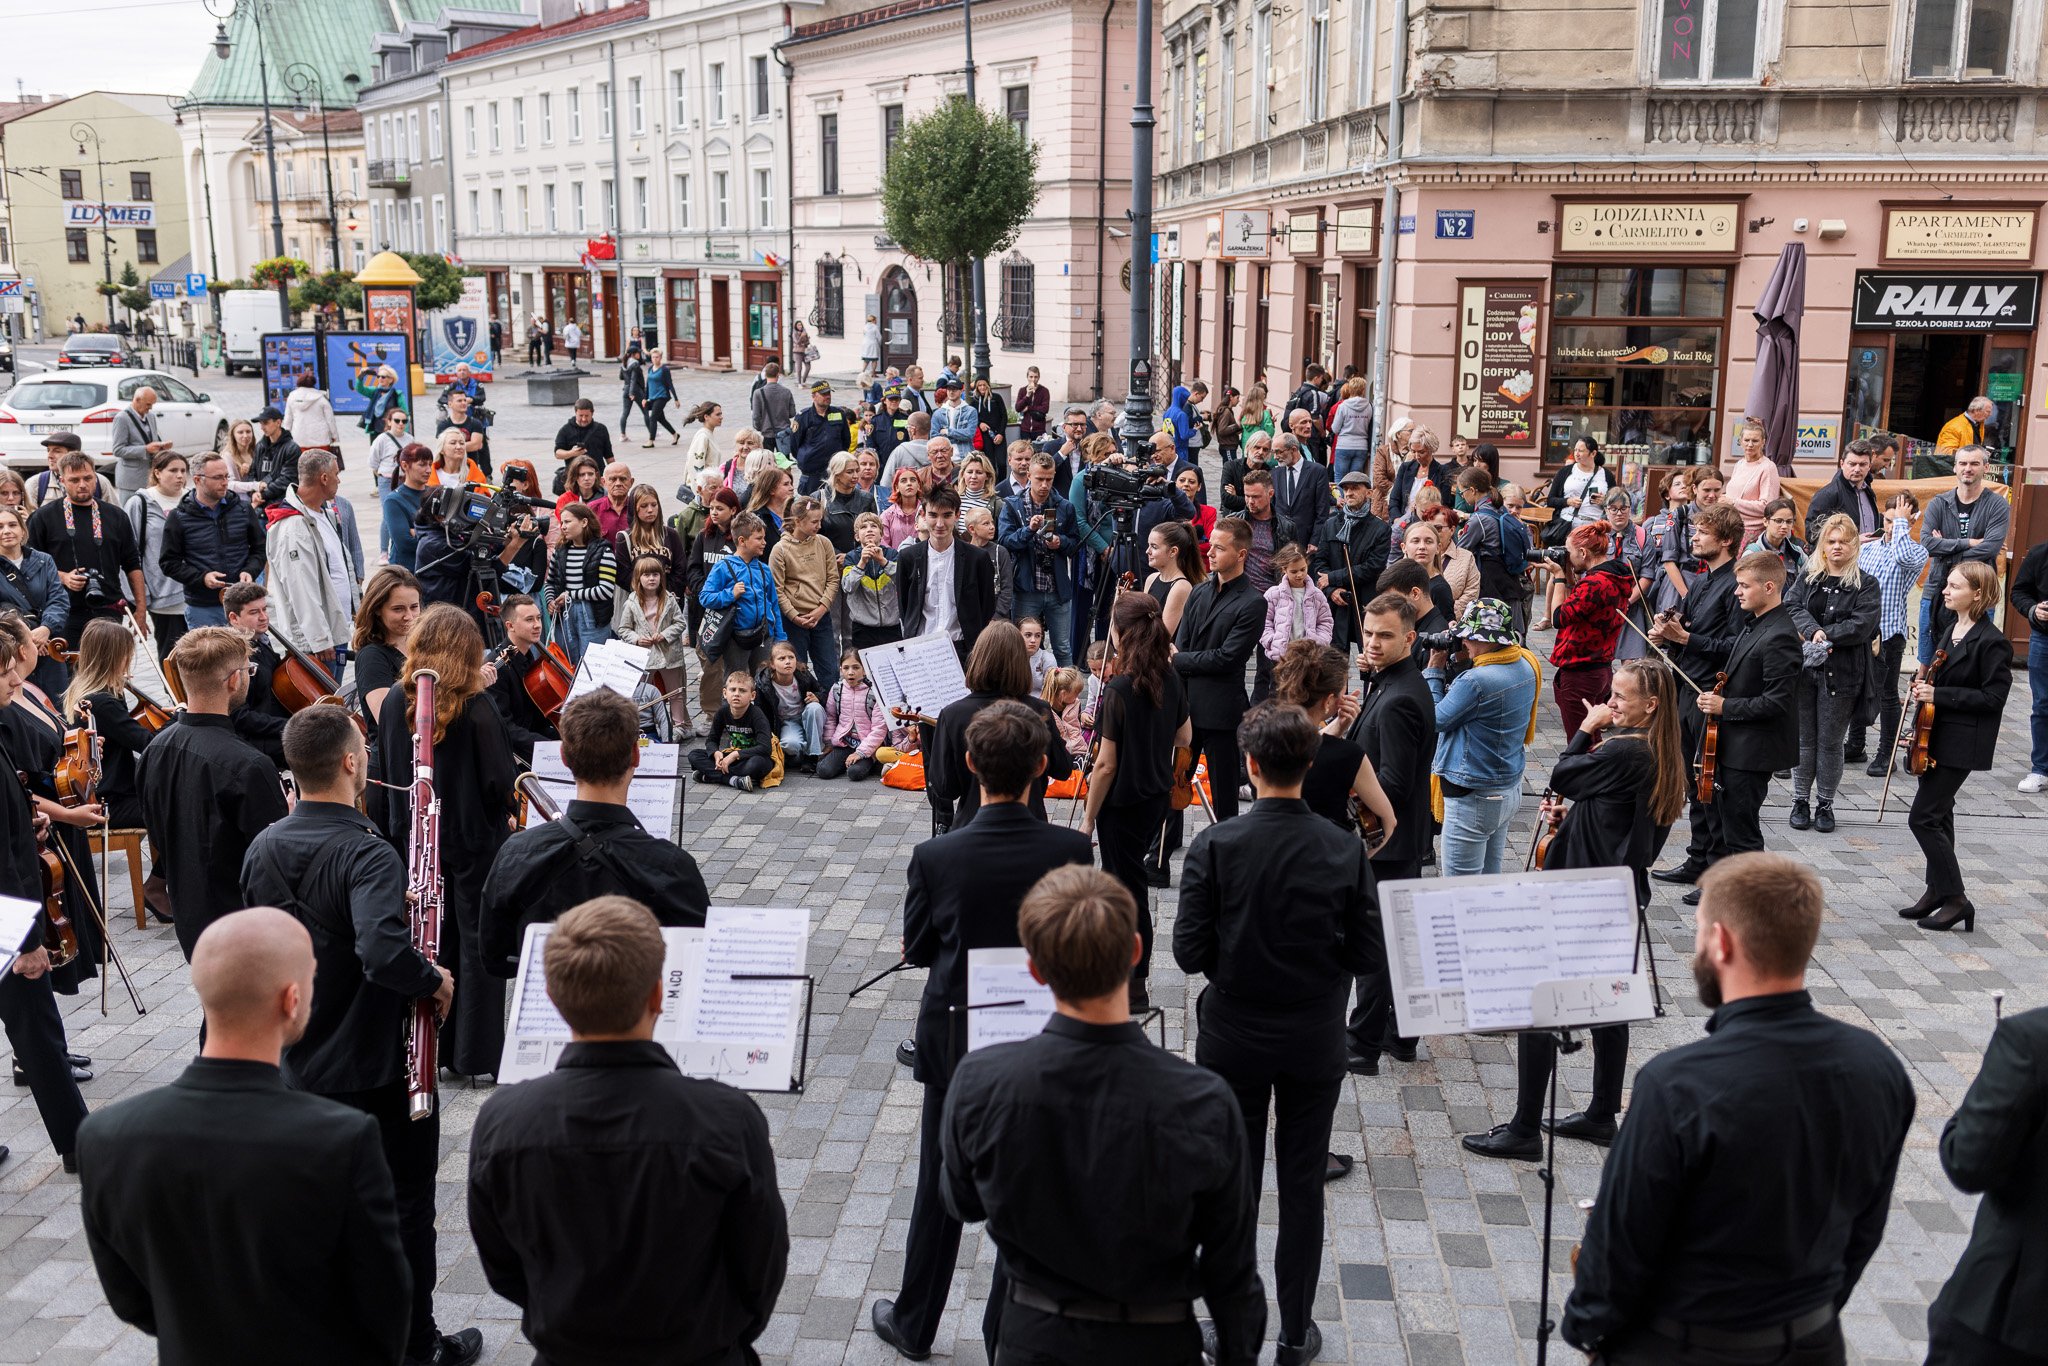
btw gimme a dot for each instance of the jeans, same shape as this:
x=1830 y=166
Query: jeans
x=805 y=734
x=580 y=630
x=817 y=648
x=1057 y=616
x=198 y=614
x=1927 y=596
x=1476 y=829
x=1347 y=460
x=2037 y=678
x=1823 y=735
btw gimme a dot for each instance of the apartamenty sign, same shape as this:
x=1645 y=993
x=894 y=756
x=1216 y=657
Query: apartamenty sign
x=1896 y=301
x=78 y=214
x=1986 y=233
x=1653 y=227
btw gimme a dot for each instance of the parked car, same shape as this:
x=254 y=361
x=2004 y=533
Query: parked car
x=94 y=348
x=85 y=401
x=6 y=353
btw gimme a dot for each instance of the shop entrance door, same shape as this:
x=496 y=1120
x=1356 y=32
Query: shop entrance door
x=898 y=319
x=1226 y=338
x=1912 y=383
x=721 y=321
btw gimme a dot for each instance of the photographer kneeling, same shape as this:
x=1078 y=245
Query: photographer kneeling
x=1485 y=722
x=1589 y=620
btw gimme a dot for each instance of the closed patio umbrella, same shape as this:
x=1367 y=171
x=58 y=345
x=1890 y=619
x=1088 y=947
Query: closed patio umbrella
x=1774 y=389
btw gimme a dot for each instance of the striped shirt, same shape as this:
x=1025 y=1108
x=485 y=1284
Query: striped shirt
x=1895 y=564
x=585 y=573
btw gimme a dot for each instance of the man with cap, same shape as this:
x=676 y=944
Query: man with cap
x=1346 y=553
x=277 y=456
x=49 y=485
x=822 y=431
x=892 y=422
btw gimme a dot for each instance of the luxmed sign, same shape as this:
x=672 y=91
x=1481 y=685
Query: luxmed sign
x=80 y=215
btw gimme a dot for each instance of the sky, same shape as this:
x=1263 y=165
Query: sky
x=59 y=48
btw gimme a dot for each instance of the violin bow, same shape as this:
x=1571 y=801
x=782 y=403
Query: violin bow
x=1636 y=597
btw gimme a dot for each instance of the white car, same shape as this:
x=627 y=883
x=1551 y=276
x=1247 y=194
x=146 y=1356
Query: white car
x=85 y=401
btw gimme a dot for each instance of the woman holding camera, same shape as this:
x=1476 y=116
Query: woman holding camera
x=1834 y=605
x=1598 y=590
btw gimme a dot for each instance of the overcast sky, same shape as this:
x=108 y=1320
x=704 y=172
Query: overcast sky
x=59 y=48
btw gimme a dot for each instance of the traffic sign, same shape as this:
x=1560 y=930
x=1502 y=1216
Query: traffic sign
x=195 y=284
x=10 y=289
x=163 y=289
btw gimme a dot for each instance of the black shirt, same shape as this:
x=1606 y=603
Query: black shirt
x=1109 y=1169
x=205 y=796
x=631 y=1212
x=112 y=553
x=595 y=440
x=1714 y=619
x=1751 y=1181
x=1142 y=732
x=378 y=667
x=1327 y=788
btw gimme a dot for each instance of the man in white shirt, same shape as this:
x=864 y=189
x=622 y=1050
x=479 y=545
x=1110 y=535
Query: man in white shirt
x=572 y=340
x=943 y=584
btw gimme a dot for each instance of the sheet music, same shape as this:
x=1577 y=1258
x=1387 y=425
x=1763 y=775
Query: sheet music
x=1504 y=951
x=923 y=673
x=1004 y=975
x=16 y=915
x=655 y=797
x=742 y=940
x=610 y=664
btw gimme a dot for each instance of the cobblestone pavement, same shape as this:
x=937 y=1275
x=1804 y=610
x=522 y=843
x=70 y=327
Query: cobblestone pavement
x=1432 y=1254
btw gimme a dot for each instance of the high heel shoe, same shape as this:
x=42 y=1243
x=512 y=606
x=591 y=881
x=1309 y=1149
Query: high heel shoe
x=1920 y=909
x=1956 y=913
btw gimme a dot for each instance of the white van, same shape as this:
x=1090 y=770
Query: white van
x=245 y=315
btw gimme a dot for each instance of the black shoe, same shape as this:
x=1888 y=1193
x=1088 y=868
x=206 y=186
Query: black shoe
x=1141 y=998
x=1688 y=871
x=1920 y=909
x=1691 y=898
x=1582 y=1126
x=883 y=1317
x=453 y=1349
x=4 y=1151
x=1783 y=775
x=70 y=1161
x=1311 y=1344
x=1402 y=1052
x=78 y=1059
x=1956 y=913
x=1338 y=1166
x=1824 y=818
x=1802 y=815
x=1362 y=1064
x=1879 y=763
x=1854 y=756
x=79 y=1071
x=906 y=1053
x=1504 y=1140
x=1160 y=876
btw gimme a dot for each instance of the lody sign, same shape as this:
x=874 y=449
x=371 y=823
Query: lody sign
x=1895 y=301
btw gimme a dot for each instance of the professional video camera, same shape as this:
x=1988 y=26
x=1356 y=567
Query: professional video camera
x=478 y=515
x=1115 y=484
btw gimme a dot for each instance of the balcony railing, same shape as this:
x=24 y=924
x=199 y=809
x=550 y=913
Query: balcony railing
x=389 y=174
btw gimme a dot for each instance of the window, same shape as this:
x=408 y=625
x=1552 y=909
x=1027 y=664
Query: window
x=498 y=210
x=575 y=113
x=1635 y=357
x=608 y=195
x=1017 y=109
x=145 y=245
x=360 y=260
x=764 y=199
x=419 y=224
x=721 y=205
x=1316 y=60
x=1262 y=62
x=525 y=202
x=577 y=220
x=1019 y=288
x=376 y=219
x=828 y=154
x=440 y=223
x=412 y=135
x=355 y=177
x=682 y=187
x=469 y=129
x=476 y=213
x=679 y=99
x=636 y=106
x=831 y=315
x=1363 y=39
x=434 y=131
x=138 y=185
x=491 y=124
x=760 y=87
x=547 y=119
x=1961 y=40
x=604 y=110
x=1713 y=40
x=518 y=122
x=547 y=207
x=1199 y=98
x=640 y=202
x=1226 y=126
x=892 y=130
x=715 y=80
x=71 y=184
x=291 y=179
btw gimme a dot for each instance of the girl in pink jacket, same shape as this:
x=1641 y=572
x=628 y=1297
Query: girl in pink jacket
x=856 y=724
x=1295 y=609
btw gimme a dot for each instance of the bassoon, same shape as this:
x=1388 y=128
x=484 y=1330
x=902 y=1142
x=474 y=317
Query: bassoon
x=423 y=896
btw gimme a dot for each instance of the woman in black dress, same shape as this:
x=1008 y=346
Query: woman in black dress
x=1968 y=692
x=1141 y=719
x=99 y=685
x=1341 y=781
x=997 y=668
x=1624 y=786
x=1176 y=568
x=391 y=606
x=473 y=773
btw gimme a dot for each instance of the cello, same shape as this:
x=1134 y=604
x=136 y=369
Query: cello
x=551 y=676
x=1710 y=743
x=299 y=682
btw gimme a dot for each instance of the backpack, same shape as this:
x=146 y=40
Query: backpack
x=1514 y=541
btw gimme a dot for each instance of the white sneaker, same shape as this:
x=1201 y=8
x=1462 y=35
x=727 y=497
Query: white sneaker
x=2034 y=782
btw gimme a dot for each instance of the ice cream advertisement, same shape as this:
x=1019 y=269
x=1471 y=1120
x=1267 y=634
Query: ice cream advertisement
x=1499 y=327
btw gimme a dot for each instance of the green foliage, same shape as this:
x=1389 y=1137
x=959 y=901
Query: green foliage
x=278 y=269
x=129 y=279
x=960 y=184
x=440 y=282
x=337 y=287
x=223 y=286
x=135 y=300
x=107 y=290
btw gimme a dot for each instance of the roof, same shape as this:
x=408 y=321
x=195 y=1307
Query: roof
x=328 y=35
x=867 y=18
x=547 y=33
x=338 y=121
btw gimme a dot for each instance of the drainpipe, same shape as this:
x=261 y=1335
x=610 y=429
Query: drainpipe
x=1390 y=220
x=611 y=66
x=789 y=179
x=1101 y=187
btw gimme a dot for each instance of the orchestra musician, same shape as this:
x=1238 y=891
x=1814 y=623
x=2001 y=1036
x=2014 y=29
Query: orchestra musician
x=327 y=866
x=1707 y=623
x=1968 y=693
x=597 y=847
x=998 y=667
x=521 y=617
x=205 y=792
x=1624 y=774
x=28 y=1001
x=384 y=622
x=1140 y=720
x=259 y=717
x=473 y=776
x=99 y=685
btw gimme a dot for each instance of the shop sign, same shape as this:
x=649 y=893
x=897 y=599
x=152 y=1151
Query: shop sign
x=1498 y=323
x=2002 y=387
x=1358 y=230
x=82 y=215
x=1329 y=337
x=1304 y=233
x=1819 y=439
x=1405 y=225
x=1958 y=232
x=1244 y=234
x=1897 y=302
x=1603 y=227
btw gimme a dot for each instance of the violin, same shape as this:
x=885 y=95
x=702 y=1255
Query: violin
x=60 y=940
x=1183 y=792
x=1915 y=738
x=148 y=714
x=56 y=648
x=1548 y=823
x=910 y=716
x=1710 y=743
x=77 y=772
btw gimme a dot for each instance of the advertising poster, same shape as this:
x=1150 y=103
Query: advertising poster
x=388 y=310
x=286 y=356
x=349 y=354
x=460 y=334
x=1498 y=324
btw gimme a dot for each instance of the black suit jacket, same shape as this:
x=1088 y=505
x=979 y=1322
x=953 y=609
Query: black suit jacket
x=964 y=891
x=1997 y=1143
x=1759 y=719
x=227 y=1215
x=1839 y=495
x=1396 y=728
x=974 y=588
x=1219 y=629
x=1969 y=697
x=1307 y=504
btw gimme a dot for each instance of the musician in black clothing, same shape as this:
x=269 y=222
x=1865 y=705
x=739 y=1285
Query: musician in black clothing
x=997 y=668
x=525 y=722
x=963 y=893
x=1272 y=1017
x=258 y=716
x=325 y=865
x=1219 y=629
x=1749 y=1187
x=99 y=687
x=597 y=848
x=1968 y=692
x=1104 y=1243
x=1411 y=581
x=1708 y=621
x=1396 y=728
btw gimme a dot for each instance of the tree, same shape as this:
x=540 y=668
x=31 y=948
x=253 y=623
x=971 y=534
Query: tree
x=440 y=280
x=336 y=287
x=133 y=295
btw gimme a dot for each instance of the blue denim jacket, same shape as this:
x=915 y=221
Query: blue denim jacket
x=1481 y=717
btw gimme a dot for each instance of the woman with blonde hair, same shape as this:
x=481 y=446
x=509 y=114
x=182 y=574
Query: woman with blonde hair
x=1254 y=415
x=99 y=686
x=473 y=773
x=241 y=454
x=1835 y=607
x=977 y=488
x=452 y=462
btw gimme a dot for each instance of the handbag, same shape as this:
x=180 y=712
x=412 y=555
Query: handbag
x=1557 y=530
x=715 y=633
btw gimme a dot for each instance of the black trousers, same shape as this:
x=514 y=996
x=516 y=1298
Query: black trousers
x=1933 y=822
x=1031 y=1337
x=1951 y=1344
x=1277 y=1064
x=839 y=760
x=1645 y=1348
x=35 y=1031
x=756 y=766
x=1125 y=830
x=657 y=417
x=1884 y=692
x=473 y=1037
x=1740 y=804
x=1705 y=844
x=934 y=1242
x=1371 y=1027
x=1219 y=747
x=1536 y=1055
x=412 y=1149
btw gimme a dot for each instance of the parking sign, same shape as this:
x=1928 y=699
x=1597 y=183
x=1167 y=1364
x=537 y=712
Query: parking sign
x=195 y=284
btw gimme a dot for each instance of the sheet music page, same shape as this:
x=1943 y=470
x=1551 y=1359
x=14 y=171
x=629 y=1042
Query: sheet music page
x=612 y=664
x=654 y=796
x=1595 y=929
x=997 y=975
x=880 y=663
x=923 y=673
x=16 y=915
x=742 y=940
x=1506 y=947
x=536 y=1033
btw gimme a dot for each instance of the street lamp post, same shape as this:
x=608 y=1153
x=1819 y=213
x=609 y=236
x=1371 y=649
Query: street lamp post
x=221 y=49
x=80 y=132
x=980 y=354
x=1138 y=404
x=301 y=78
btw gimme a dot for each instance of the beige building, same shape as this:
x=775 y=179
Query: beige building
x=315 y=173
x=1591 y=199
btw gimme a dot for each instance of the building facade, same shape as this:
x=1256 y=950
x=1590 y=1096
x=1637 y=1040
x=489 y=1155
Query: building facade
x=1590 y=203
x=319 y=187
x=1059 y=299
